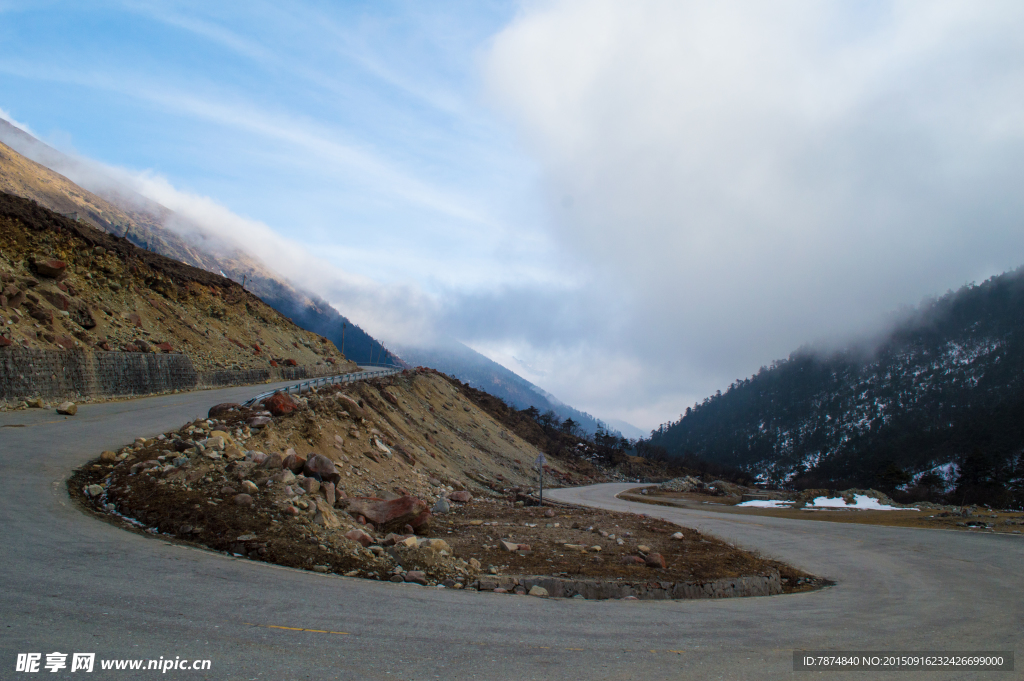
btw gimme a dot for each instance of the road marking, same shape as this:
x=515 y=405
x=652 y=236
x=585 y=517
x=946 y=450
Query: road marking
x=311 y=631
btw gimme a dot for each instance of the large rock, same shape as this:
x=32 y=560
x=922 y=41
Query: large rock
x=273 y=461
x=52 y=268
x=67 y=408
x=280 y=404
x=394 y=512
x=655 y=560
x=320 y=467
x=359 y=536
x=441 y=507
x=351 y=405
x=416 y=577
x=461 y=496
x=222 y=408
x=329 y=492
x=294 y=462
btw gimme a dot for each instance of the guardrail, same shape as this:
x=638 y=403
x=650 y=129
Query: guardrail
x=378 y=371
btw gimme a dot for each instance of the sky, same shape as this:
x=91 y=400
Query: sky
x=631 y=204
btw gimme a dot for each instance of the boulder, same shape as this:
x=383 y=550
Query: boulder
x=320 y=467
x=359 y=536
x=249 y=487
x=655 y=560
x=108 y=457
x=441 y=507
x=460 y=496
x=395 y=512
x=273 y=461
x=294 y=462
x=223 y=434
x=280 y=404
x=329 y=492
x=67 y=408
x=35 y=403
x=52 y=268
x=310 y=485
x=351 y=405
x=538 y=591
x=221 y=409
x=94 y=490
x=416 y=577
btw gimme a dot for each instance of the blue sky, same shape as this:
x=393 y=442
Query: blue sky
x=631 y=204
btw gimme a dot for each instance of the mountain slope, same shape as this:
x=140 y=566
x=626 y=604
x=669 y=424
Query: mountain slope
x=68 y=285
x=468 y=365
x=946 y=387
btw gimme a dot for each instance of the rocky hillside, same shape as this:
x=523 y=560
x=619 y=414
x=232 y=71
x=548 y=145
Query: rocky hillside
x=117 y=210
x=938 y=407
x=66 y=284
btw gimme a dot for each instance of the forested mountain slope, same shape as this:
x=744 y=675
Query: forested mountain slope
x=945 y=387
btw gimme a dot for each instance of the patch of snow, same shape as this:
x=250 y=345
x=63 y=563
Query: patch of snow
x=766 y=503
x=861 y=502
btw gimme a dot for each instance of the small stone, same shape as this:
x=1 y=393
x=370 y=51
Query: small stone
x=108 y=457
x=474 y=563
x=249 y=486
x=283 y=476
x=310 y=485
x=538 y=591
x=243 y=500
x=67 y=408
x=397 y=579
x=461 y=496
x=321 y=568
x=549 y=513
x=595 y=548
x=94 y=490
x=500 y=590
x=677 y=535
x=441 y=507
x=620 y=541
x=476 y=522
x=509 y=546
x=643 y=549
x=35 y=403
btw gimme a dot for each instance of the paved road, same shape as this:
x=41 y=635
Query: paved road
x=71 y=583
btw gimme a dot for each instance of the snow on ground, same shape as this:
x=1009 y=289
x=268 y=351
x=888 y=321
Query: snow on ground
x=766 y=503
x=861 y=501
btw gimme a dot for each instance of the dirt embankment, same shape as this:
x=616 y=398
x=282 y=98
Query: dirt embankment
x=68 y=285
x=399 y=479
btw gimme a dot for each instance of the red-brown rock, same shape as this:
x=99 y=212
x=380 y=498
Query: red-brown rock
x=290 y=363
x=329 y=492
x=55 y=269
x=320 y=467
x=394 y=512
x=57 y=299
x=416 y=577
x=461 y=496
x=655 y=560
x=359 y=536
x=135 y=319
x=164 y=347
x=633 y=560
x=280 y=404
x=294 y=462
x=221 y=409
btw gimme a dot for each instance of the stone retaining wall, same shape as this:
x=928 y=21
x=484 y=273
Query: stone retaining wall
x=751 y=585
x=70 y=374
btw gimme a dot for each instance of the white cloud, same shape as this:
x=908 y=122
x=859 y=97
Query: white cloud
x=756 y=175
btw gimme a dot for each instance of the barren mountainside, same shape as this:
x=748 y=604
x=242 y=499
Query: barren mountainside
x=69 y=285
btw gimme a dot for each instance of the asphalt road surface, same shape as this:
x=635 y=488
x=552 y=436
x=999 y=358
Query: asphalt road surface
x=72 y=583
